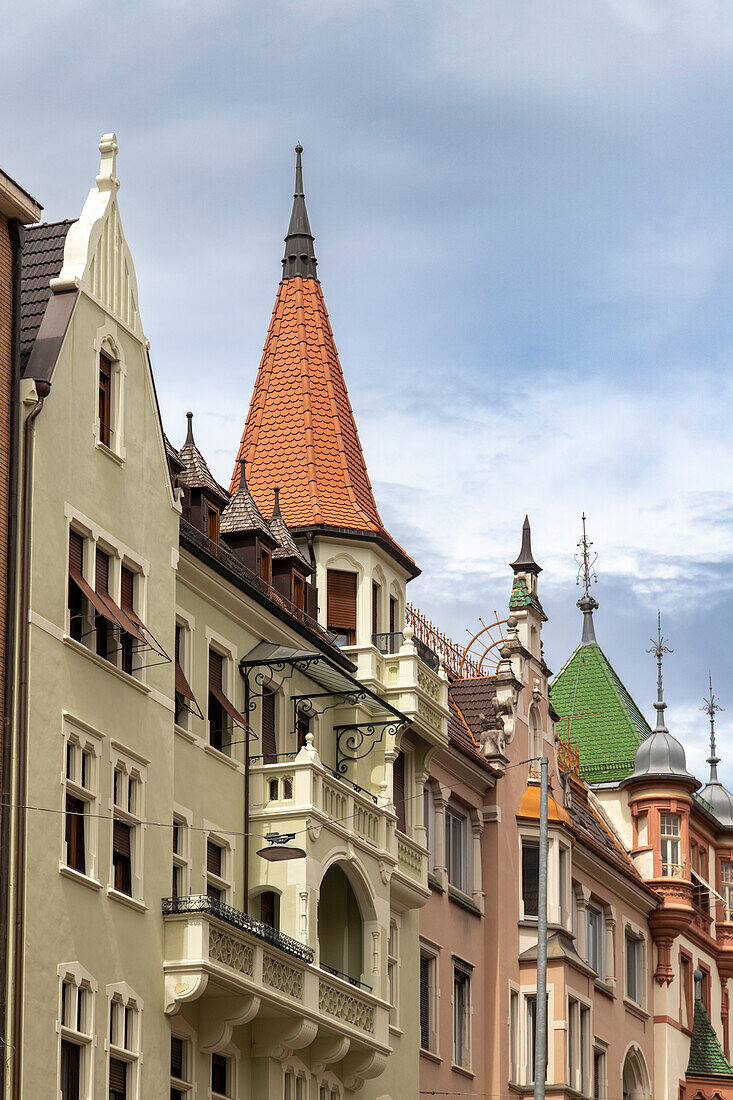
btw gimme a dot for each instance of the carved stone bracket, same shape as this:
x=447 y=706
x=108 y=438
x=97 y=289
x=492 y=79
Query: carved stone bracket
x=328 y=1050
x=278 y=1039
x=181 y=987
x=361 y=1067
x=222 y=1015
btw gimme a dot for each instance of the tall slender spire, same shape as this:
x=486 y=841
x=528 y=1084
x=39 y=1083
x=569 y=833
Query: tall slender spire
x=658 y=648
x=525 y=563
x=710 y=706
x=586 y=561
x=300 y=257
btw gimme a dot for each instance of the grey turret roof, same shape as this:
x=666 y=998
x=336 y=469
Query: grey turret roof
x=196 y=473
x=525 y=563
x=287 y=547
x=300 y=257
x=715 y=794
x=241 y=515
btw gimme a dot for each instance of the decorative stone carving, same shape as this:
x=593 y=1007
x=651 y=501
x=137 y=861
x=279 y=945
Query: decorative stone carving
x=225 y=949
x=278 y=975
x=346 y=1007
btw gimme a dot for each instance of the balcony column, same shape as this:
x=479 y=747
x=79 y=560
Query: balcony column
x=420 y=831
x=582 y=897
x=440 y=799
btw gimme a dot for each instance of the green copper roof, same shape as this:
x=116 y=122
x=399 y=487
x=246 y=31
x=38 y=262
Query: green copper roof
x=606 y=724
x=521 y=597
x=706 y=1053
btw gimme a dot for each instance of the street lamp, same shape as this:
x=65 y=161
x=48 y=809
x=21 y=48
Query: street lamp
x=279 y=848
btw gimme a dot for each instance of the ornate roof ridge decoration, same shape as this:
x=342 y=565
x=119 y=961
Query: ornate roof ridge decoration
x=300 y=432
x=97 y=258
x=586 y=561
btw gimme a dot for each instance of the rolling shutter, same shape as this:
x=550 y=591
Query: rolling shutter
x=424 y=1002
x=117 y=1077
x=127 y=589
x=176 y=1057
x=398 y=788
x=341 y=599
x=101 y=582
x=76 y=552
x=121 y=838
x=213 y=858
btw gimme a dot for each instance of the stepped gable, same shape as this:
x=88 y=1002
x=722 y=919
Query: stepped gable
x=300 y=432
x=43 y=258
x=607 y=726
x=196 y=473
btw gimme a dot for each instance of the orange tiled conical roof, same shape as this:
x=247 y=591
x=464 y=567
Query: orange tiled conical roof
x=300 y=431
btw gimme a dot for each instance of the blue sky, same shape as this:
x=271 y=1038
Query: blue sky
x=523 y=220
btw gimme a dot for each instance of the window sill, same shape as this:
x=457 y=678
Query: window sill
x=435 y=882
x=395 y=1030
x=603 y=988
x=462 y=1070
x=430 y=1055
x=105 y=450
x=223 y=758
x=464 y=901
x=125 y=899
x=101 y=663
x=185 y=734
x=79 y=876
x=635 y=1009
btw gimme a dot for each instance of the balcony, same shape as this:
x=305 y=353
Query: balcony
x=243 y=972
x=392 y=643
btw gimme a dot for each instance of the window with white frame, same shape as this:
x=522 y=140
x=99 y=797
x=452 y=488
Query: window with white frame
x=726 y=883
x=428 y=1000
x=393 y=971
x=634 y=952
x=429 y=822
x=458 y=847
x=594 y=937
x=669 y=831
x=185 y=702
x=128 y=795
x=535 y=742
x=599 y=1073
x=513 y=1036
x=218 y=868
x=81 y=778
x=295 y=1085
x=222 y=1076
x=181 y=878
x=461 y=1014
x=76 y=1031
x=578 y=1045
x=530 y=877
x=328 y=1092
x=124 y=1045
x=109 y=398
x=181 y=1068
x=563 y=862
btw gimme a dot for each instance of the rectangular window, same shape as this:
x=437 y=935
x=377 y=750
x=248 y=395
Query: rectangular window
x=180 y=879
x=669 y=829
x=212 y=523
x=180 y=1068
x=223 y=715
x=75 y=845
x=457 y=849
x=584 y=1048
x=594 y=926
x=513 y=1036
x=393 y=963
x=461 y=1017
x=376 y=595
x=563 y=884
x=80 y=796
x=341 y=605
x=127 y=602
x=71 y=1063
x=726 y=882
x=429 y=822
x=393 y=615
x=573 y=1064
x=122 y=856
x=530 y=877
x=221 y=1075
x=269 y=718
x=398 y=791
x=265 y=565
x=185 y=699
x=124 y=1047
x=299 y=592
x=599 y=1074
x=530 y=1005
x=78 y=613
x=217 y=862
x=127 y=797
x=428 y=1001
x=76 y=1040
x=105 y=400
x=634 y=976
x=104 y=628
x=700 y=893
x=685 y=991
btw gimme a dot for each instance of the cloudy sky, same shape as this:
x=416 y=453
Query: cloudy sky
x=523 y=220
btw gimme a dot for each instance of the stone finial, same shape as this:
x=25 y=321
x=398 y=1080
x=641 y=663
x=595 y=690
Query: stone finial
x=107 y=178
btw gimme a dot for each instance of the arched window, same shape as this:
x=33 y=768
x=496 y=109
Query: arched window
x=340 y=925
x=636 y=1084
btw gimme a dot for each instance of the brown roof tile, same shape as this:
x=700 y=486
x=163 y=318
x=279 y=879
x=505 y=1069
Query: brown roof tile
x=43 y=257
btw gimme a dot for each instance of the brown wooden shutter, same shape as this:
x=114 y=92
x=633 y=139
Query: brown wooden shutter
x=213 y=858
x=424 y=1002
x=341 y=599
x=101 y=582
x=216 y=670
x=127 y=588
x=269 y=741
x=76 y=551
x=398 y=787
x=176 y=1057
x=117 y=1077
x=121 y=838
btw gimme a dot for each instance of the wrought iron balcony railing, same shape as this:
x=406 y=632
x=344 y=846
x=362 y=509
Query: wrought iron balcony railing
x=201 y=903
x=346 y=977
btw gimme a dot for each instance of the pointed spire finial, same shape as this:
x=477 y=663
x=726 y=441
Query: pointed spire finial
x=189 y=432
x=300 y=257
x=586 y=561
x=276 y=506
x=525 y=563
x=243 y=475
x=710 y=706
x=658 y=648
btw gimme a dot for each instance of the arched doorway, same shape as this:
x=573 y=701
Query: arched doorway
x=635 y=1078
x=340 y=925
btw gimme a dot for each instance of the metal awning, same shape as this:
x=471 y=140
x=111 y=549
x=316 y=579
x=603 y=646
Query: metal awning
x=322 y=671
x=707 y=885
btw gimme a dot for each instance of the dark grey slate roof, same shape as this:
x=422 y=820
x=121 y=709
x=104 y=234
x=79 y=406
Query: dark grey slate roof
x=242 y=515
x=196 y=473
x=43 y=257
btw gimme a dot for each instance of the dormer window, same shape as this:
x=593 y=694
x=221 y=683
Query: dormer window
x=265 y=565
x=105 y=400
x=299 y=592
x=212 y=522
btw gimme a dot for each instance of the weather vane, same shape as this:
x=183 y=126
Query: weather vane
x=711 y=705
x=586 y=561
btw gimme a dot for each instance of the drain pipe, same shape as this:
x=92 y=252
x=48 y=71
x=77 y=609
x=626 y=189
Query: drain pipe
x=42 y=389
x=17 y=242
